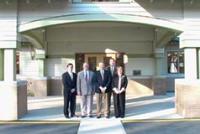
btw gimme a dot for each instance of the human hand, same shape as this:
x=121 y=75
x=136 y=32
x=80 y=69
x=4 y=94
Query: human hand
x=101 y=88
x=122 y=90
x=72 y=90
x=115 y=90
x=78 y=93
x=104 y=89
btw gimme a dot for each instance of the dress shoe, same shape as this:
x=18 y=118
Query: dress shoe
x=72 y=116
x=90 y=116
x=83 y=116
x=66 y=116
x=98 y=116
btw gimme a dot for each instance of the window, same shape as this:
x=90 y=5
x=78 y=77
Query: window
x=175 y=62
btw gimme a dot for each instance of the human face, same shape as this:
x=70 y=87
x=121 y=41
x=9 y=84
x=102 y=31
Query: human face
x=85 y=66
x=112 y=62
x=70 y=68
x=119 y=71
x=101 y=66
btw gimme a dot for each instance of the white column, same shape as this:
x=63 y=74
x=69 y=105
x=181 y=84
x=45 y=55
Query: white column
x=190 y=55
x=9 y=65
x=1 y=64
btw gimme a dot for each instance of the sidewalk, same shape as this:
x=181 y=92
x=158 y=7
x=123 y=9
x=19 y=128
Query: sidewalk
x=150 y=107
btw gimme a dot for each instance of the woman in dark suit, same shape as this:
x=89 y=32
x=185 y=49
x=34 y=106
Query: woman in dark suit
x=119 y=85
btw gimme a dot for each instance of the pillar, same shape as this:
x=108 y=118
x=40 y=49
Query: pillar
x=1 y=64
x=190 y=56
x=9 y=65
x=187 y=90
x=8 y=87
x=198 y=63
x=159 y=61
x=159 y=81
x=13 y=97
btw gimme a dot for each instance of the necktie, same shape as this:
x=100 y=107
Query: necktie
x=86 y=76
x=112 y=70
x=71 y=75
x=102 y=74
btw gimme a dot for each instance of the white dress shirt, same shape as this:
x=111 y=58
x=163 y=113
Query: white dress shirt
x=119 y=82
x=71 y=75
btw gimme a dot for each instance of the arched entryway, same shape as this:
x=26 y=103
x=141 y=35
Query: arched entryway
x=139 y=37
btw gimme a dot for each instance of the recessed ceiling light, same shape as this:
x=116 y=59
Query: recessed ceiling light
x=28 y=1
x=191 y=2
x=151 y=1
x=7 y=2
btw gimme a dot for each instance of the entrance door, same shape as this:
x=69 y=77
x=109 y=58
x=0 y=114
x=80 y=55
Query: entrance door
x=106 y=61
x=93 y=60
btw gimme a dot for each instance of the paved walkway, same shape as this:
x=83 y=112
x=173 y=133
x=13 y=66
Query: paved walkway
x=150 y=107
x=39 y=128
x=101 y=126
x=163 y=127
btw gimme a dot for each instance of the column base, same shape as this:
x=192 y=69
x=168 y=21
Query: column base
x=187 y=94
x=13 y=100
x=159 y=85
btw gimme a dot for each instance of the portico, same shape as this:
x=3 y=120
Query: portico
x=54 y=35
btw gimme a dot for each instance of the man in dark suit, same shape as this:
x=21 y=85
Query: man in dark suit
x=103 y=80
x=69 y=83
x=112 y=69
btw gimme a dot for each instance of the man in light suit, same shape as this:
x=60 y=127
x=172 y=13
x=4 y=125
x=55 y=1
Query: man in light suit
x=85 y=89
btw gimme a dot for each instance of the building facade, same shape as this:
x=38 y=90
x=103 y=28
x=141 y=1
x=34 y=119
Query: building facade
x=157 y=41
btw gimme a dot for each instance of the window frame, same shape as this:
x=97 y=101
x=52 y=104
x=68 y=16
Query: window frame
x=178 y=61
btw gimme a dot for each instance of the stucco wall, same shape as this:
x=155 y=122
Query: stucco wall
x=146 y=65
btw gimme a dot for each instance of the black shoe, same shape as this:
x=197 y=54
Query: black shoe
x=99 y=116
x=66 y=116
x=116 y=116
x=72 y=116
x=90 y=116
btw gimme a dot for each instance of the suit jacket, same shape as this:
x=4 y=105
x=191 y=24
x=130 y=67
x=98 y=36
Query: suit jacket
x=111 y=75
x=102 y=82
x=115 y=81
x=69 y=83
x=85 y=87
